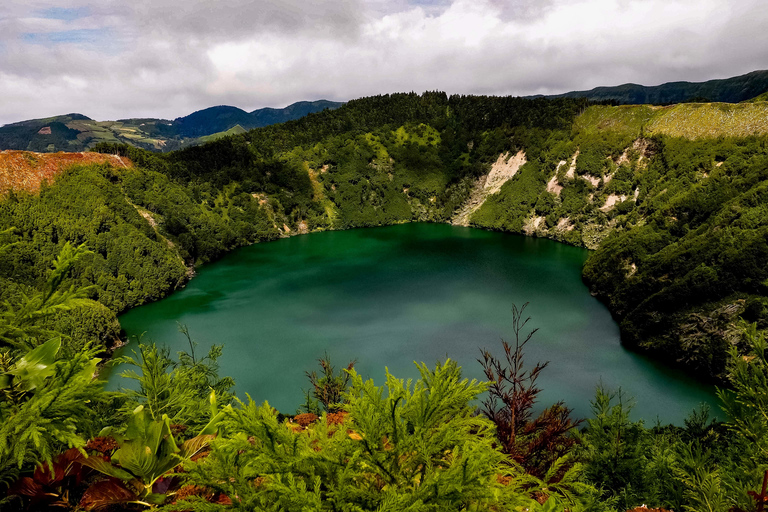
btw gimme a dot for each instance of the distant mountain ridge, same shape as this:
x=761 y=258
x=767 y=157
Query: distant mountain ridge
x=727 y=90
x=221 y=118
x=55 y=119
x=76 y=132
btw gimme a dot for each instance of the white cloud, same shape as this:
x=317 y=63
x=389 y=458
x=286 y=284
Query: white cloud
x=163 y=58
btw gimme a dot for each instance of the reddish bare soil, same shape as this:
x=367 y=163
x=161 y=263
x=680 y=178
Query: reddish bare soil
x=25 y=170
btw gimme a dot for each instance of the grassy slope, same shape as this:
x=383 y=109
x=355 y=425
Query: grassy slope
x=762 y=97
x=235 y=130
x=689 y=120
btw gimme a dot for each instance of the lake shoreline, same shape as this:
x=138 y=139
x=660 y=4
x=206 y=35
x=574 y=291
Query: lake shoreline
x=427 y=238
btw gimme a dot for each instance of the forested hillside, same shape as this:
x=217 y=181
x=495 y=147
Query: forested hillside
x=76 y=132
x=730 y=90
x=673 y=207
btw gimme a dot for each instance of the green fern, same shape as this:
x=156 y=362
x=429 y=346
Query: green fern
x=48 y=413
x=21 y=324
x=416 y=446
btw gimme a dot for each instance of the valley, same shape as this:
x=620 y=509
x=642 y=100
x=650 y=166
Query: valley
x=390 y=295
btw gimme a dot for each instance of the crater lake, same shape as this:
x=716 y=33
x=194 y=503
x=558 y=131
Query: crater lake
x=389 y=296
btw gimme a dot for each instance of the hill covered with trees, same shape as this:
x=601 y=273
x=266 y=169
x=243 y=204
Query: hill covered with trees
x=727 y=90
x=670 y=200
x=76 y=132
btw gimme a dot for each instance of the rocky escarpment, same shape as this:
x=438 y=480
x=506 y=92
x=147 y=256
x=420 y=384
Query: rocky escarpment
x=503 y=170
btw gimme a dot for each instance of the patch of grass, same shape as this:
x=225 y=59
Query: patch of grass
x=381 y=151
x=628 y=119
x=710 y=120
x=688 y=120
x=235 y=130
x=422 y=134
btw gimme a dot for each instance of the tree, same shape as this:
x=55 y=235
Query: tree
x=175 y=388
x=21 y=324
x=534 y=442
x=329 y=387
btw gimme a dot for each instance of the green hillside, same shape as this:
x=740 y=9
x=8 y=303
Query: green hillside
x=671 y=200
x=235 y=130
x=728 y=90
x=75 y=132
x=762 y=97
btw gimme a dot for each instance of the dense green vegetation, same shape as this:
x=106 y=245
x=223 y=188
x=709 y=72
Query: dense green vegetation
x=679 y=228
x=730 y=90
x=76 y=132
x=132 y=262
x=678 y=279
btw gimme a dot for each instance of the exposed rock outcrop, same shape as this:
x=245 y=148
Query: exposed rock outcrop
x=502 y=170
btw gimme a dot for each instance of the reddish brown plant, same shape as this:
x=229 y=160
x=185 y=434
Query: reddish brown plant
x=305 y=419
x=533 y=442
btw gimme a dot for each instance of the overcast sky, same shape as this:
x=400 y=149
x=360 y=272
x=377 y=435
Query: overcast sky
x=111 y=59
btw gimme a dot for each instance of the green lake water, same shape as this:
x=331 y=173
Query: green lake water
x=393 y=295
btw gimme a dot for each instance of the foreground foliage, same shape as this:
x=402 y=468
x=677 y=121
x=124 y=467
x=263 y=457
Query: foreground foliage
x=703 y=466
x=541 y=444
x=403 y=446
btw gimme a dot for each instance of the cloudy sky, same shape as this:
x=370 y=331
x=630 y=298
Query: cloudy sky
x=111 y=59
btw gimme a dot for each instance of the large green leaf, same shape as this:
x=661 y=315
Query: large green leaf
x=37 y=365
x=107 y=468
x=193 y=446
x=149 y=450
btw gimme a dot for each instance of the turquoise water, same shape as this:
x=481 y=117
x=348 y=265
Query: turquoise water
x=415 y=292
